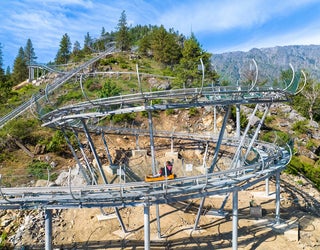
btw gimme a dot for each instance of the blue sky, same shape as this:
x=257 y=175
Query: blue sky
x=219 y=26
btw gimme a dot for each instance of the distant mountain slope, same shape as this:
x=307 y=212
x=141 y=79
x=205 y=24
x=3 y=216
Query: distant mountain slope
x=233 y=65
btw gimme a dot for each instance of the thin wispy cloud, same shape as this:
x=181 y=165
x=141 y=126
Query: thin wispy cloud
x=219 y=25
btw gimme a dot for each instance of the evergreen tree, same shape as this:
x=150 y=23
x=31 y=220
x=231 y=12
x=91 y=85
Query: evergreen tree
x=87 y=43
x=145 y=45
x=164 y=47
x=20 y=68
x=103 y=32
x=8 y=71
x=123 y=41
x=64 y=53
x=188 y=69
x=77 y=54
x=2 y=76
x=76 y=47
x=29 y=53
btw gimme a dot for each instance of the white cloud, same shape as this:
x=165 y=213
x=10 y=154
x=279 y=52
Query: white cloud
x=45 y=22
x=215 y=16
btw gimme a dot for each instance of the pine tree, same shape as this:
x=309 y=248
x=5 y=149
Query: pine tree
x=20 y=68
x=8 y=71
x=77 y=54
x=29 y=53
x=188 y=68
x=87 y=43
x=123 y=41
x=64 y=52
x=2 y=76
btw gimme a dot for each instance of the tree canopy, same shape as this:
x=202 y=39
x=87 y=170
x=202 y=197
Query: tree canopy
x=20 y=69
x=122 y=36
x=64 y=52
x=30 y=55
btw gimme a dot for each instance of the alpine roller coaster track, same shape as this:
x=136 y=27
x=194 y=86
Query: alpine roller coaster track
x=84 y=117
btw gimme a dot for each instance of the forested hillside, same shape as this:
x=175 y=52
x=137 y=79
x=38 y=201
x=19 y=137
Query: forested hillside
x=162 y=52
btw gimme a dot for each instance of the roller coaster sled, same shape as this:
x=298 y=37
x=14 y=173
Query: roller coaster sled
x=152 y=178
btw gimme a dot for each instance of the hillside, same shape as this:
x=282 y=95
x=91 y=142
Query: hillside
x=233 y=65
x=299 y=205
x=88 y=229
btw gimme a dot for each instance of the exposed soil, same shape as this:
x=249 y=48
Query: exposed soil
x=299 y=226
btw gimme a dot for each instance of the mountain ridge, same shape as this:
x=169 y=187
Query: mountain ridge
x=270 y=61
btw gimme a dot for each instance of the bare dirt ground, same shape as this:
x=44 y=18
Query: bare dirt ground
x=299 y=226
x=81 y=228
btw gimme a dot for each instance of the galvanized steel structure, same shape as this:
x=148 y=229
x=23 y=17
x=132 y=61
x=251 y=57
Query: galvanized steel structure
x=82 y=118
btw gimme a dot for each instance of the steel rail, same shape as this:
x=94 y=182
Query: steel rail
x=135 y=193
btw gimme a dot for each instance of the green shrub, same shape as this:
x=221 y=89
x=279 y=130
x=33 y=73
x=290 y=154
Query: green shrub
x=311 y=145
x=39 y=169
x=109 y=89
x=58 y=144
x=300 y=127
x=20 y=128
x=193 y=111
x=312 y=172
x=126 y=117
x=271 y=136
x=269 y=119
x=170 y=111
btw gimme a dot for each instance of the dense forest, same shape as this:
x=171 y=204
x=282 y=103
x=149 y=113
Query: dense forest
x=178 y=56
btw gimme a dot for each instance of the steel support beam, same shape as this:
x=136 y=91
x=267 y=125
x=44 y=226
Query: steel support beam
x=277 y=197
x=238 y=121
x=257 y=131
x=267 y=187
x=94 y=152
x=236 y=157
x=76 y=157
x=158 y=221
x=153 y=156
x=199 y=213
x=48 y=228
x=120 y=219
x=219 y=142
x=107 y=148
x=146 y=216
x=235 y=220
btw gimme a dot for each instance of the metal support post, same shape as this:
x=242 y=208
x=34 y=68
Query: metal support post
x=236 y=157
x=48 y=228
x=224 y=203
x=146 y=213
x=214 y=119
x=76 y=157
x=256 y=132
x=223 y=128
x=199 y=213
x=93 y=180
x=152 y=143
x=235 y=220
x=94 y=152
x=267 y=186
x=137 y=142
x=120 y=219
x=107 y=148
x=238 y=120
x=277 y=197
x=158 y=221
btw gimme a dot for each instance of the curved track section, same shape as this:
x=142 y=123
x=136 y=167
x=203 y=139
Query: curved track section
x=51 y=87
x=84 y=118
x=239 y=176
